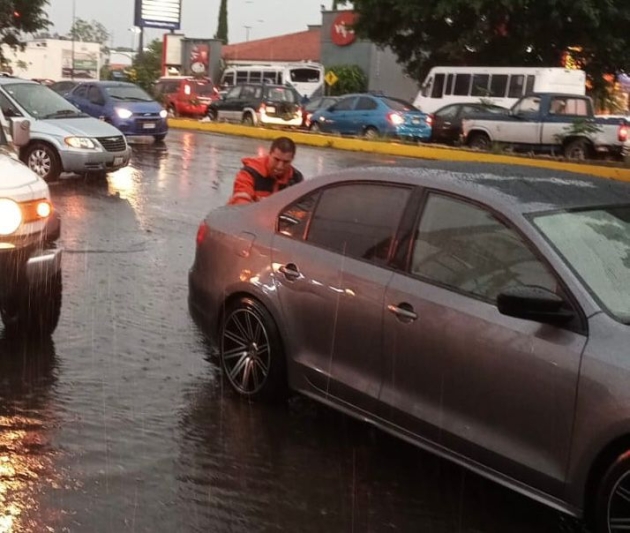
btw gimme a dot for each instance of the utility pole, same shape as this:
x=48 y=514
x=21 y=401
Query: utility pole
x=247 y=28
x=74 y=29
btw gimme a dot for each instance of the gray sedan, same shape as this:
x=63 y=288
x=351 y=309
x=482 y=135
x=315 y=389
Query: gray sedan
x=483 y=318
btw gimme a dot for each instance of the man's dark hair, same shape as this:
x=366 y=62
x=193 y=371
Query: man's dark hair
x=284 y=144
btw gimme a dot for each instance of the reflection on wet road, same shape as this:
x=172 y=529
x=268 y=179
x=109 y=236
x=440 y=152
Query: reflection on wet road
x=122 y=422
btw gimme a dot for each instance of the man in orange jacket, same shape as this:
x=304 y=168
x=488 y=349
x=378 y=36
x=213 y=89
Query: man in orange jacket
x=263 y=176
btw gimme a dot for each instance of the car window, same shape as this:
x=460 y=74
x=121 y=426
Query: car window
x=233 y=93
x=345 y=104
x=313 y=105
x=447 y=112
x=94 y=95
x=465 y=247
x=248 y=92
x=8 y=108
x=530 y=104
x=39 y=101
x=129 y=93
x=366 y=103
x=358 y=220
x=292 y=222
x=81 y=91
x=280 y=94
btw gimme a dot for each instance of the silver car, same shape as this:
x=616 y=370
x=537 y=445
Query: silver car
x=63 y=139
x=484 y=318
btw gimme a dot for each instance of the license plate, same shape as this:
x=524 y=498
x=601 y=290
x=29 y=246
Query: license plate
x=415 y=121
x=118 y=161
x=271 y=109
x=149 y=126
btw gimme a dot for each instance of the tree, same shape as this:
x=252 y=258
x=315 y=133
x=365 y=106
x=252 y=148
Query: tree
x=90 y=32
x=20 y=17
x=350 y=79
x=147 y=66
x=222 y=27
x=425 y=33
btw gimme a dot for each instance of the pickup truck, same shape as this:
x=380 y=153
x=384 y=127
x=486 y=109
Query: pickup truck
x=550 y=123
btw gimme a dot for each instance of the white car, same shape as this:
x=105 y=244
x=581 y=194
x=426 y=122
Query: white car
x=30 y=261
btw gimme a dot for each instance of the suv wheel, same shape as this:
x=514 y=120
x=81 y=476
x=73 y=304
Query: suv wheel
x=42 y=159
x=32 y=310
x=248 y=119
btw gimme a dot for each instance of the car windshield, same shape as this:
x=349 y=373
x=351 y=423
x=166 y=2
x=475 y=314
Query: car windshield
x=596 y=244
x=280 y=94
x=129 y=93
x=40 y=101
x=399 y=105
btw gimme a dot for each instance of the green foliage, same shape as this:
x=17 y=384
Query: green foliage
x=20 y=17
x=352 y=79
x=222 y=27
x=579 y=128
x=90 y=32
x=147 y=66
x=426 y=33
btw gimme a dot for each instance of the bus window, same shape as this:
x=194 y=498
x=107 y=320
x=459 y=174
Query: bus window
x=438 y=86
x=270 y=76
x=529 y=86
x=305 y=75
x=480 y=84
x=450 y=81
x=498 y=85
x=462 y=85
x=516 y=86
x=255 y=76
x=241 y=76
x=426 y=88
x=228 y=79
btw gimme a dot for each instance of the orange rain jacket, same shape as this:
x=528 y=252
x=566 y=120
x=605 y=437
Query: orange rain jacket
x=252 y=182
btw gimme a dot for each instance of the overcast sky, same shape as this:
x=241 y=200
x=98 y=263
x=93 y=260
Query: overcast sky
x=266 y=18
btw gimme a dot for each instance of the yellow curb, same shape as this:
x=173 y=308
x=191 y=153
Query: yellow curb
x=397 y=149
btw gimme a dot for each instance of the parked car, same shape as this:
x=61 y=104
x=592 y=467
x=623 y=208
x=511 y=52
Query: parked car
x=30 y=259
x=321 y=102
x=63 y=87
x=258 y=104
x=123 y=105
x=485 y=318
x=185 y=95
x=372 y=116
x=447 y=121
x=62 y=138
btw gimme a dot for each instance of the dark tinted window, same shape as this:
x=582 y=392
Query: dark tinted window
x=480 y=85
x=249 y=92
x=450 y=81
x=305 y=75
x=255 y=76
x=81 y=91
x=465 y=247
x=358 y=220
x=438 y=86
x=498 y=85
x=94 y=95
x=462 y=85
x=450 y=111
x=242 y=76
x=233 y=93
x=293 y=221
x=517 y=83
x=366 y=104
x=529 y=86
x=228 y=79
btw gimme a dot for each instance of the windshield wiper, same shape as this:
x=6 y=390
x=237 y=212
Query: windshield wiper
x=66 y=113
x=137 y=99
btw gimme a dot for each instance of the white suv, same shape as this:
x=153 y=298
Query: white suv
x=30 y=261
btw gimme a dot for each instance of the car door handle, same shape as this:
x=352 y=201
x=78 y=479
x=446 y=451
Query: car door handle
x=290 y=271
x=403 y=311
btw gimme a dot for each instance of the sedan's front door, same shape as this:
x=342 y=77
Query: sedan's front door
x=495 y=389
x=331 y=284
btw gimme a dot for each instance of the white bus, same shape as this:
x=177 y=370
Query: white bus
x=306 y=78
x=498 y=85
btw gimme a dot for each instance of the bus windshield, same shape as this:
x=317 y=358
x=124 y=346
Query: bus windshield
x=305 y=75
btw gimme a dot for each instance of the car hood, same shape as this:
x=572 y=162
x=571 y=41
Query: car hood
x=139 y=107
x=80 y=127
x=16 y=175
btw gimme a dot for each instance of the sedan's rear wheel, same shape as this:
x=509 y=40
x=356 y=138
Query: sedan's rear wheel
x=370 y=133
x=251 y=353
x=612 y=502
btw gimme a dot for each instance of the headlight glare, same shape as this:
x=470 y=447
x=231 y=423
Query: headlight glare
x=123 y=113
x=164 y=113
x=10 y=216
x=80 y=142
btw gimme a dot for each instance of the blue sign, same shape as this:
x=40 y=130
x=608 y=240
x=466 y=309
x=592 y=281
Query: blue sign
x=165 y=14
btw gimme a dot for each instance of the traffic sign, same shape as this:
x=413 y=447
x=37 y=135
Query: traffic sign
x=331 y=78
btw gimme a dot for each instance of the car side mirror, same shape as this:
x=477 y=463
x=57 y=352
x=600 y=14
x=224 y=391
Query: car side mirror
x=20 y=131
x=534 y=303
x=331 y=108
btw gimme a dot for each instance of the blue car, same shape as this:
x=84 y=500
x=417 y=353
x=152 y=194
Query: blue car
x=122 y=104
x=372 y=116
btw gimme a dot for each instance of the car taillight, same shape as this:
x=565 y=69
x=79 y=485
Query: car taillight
x=622 y=133
x=395 y=119
x=429 y=120
x=201 y=232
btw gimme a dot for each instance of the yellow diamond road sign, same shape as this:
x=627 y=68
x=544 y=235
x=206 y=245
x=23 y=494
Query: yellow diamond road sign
x=331 y=78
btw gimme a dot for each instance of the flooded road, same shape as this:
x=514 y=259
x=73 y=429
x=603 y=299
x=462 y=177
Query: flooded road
x=121 y=423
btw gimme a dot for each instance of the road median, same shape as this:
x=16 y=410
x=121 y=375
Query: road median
x=422 y=151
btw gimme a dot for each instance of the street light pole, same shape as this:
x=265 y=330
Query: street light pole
x=74 y=29
x=247 y=28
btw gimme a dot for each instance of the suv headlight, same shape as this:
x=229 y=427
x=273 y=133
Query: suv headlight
x=123 y=113
x=164 y=113
x=80 y=142
x=10 y=216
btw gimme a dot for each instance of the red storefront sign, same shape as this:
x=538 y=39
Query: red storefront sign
x=341 y=32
